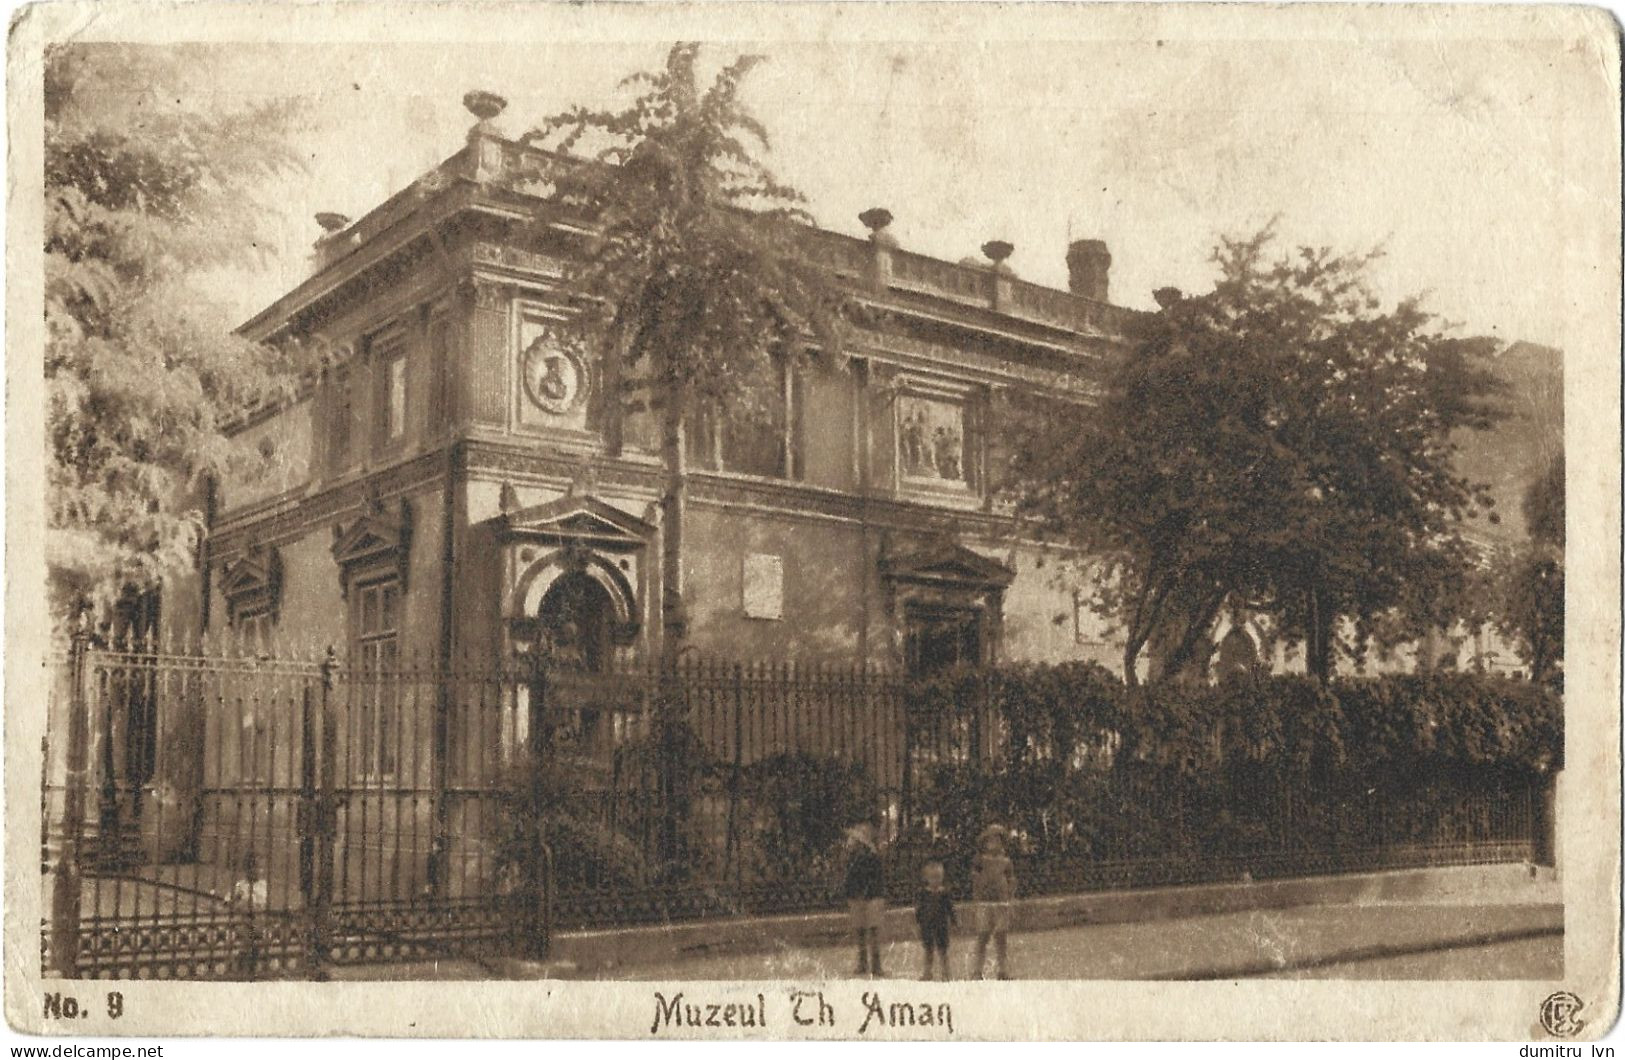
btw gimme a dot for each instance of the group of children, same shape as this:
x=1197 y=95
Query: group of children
x=993 y=889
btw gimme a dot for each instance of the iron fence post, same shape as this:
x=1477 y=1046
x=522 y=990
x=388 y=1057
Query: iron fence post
x=1538 y=821
x=738 y=770
x=319 y=749
x=899 y=705
x=540 y=883
x=108 y=831
x=665 y=765
x=66 y=881
x=979 y=723
x=544 y=908
x=306 y=820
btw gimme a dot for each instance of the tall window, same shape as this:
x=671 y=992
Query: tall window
x=254 y=628
x=375 y=617
x=342 y=411
x=396 y=421
x=756 y=436
x=389 y=390
x=439 y=412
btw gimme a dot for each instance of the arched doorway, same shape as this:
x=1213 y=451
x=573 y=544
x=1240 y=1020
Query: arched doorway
x=575 y=623
x=1237 y=655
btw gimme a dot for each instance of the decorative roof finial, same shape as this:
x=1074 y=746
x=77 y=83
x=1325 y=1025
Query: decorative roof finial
x=484 y=105
x=876 y=219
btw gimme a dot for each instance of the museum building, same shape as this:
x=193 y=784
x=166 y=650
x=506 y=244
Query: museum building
x=455 y=480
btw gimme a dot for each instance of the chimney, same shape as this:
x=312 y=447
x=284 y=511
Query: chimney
x=1088 y=268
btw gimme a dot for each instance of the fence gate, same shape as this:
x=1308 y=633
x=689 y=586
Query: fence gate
x=295 y=814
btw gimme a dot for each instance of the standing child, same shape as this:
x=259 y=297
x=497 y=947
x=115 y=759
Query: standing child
x=934 y=911
x=993 y=888
x=865 y=895
x=249 y=897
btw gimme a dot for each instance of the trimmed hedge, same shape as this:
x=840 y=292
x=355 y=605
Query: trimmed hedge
x=1396 y=722
x=1073 y=760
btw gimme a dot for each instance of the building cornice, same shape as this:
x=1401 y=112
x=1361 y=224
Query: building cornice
x=940 y=292
x=496 y=461
x=291 y=515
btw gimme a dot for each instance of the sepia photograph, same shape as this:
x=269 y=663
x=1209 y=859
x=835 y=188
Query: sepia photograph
x=825 y=508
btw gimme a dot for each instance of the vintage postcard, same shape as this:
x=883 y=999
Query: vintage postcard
x=836 y=521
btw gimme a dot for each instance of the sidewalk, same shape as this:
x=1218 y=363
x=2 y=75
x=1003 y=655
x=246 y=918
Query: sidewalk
x=1209 y=931
x=1217 y=946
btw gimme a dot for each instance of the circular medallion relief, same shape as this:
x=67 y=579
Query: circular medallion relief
x=555 y=379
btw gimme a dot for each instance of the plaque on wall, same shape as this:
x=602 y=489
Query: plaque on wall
x=764 y=586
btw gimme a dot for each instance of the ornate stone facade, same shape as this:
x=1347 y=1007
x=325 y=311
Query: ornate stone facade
x=858 y=525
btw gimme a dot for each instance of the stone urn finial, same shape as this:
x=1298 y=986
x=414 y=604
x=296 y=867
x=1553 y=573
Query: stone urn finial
x=484 y=105
x=332 y=222
x=997 y=250
x=876 y=219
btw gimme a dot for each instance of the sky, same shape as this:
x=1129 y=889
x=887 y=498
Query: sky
x=1448 y=153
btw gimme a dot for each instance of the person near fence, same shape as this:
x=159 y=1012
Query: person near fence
x=934 y=912
x=250 y=896
x=993 y=889
x=865 y=895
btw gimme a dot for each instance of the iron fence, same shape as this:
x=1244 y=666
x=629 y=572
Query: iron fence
x=221 y=815
x=294 y=813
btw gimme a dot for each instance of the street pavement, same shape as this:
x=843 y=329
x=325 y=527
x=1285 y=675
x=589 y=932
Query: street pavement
x=1531 y=958
x=1360 y=941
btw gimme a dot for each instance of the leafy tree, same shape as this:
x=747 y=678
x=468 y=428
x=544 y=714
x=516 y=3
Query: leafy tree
x=142 y=194
x=1170 y=772
x=1530 y=599
x=1278 y=445
x=1544 y=510
x=802 y=805
x=693 y=284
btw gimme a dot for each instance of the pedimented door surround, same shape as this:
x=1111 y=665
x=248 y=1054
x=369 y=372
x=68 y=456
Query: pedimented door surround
x=574 y=535
x=931 y=579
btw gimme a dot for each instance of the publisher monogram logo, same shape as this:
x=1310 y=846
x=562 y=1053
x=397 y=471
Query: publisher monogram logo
x=1557 y=1014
